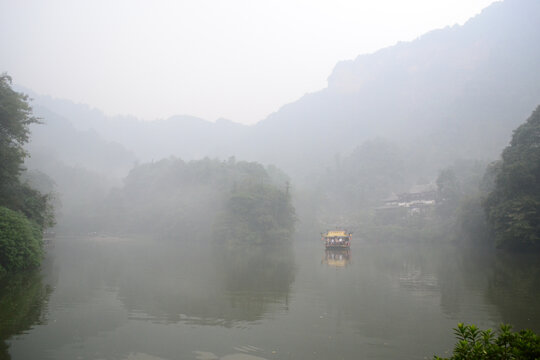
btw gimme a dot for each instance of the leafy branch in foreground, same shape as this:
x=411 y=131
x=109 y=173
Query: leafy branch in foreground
x=476 y=344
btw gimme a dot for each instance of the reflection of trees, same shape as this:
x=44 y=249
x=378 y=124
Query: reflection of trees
x=172 y=283
x=22 y=300
x=256 y=277
x=515 y=288
x=462 y=272
x=468 y=276
x=511 y=282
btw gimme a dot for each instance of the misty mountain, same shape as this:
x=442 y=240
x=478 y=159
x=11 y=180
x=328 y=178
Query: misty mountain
x=79 y=167
x=57 y=140
x=453 y=93
x=184 y=136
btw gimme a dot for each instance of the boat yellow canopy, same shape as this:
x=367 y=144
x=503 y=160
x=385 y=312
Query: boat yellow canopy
x=337 y=233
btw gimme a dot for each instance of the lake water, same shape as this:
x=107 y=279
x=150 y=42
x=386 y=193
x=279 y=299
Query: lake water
x=110 y=298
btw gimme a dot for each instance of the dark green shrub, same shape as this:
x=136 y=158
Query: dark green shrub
x=476 y=344
x=20 y=241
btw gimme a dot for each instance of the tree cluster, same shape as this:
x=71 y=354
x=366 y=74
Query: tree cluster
x=202 y=199
x=255 y=213
x=501 y=206
x=513 y=207
x=25 y=212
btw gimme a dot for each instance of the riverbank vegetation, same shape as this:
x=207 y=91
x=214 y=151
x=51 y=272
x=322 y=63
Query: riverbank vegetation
x=20 y=241
x=477 y=344
x=501 y=204
x=24 y=212
x=513 y=207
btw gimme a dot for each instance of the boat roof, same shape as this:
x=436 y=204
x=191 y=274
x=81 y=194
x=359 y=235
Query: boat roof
x=337 y=233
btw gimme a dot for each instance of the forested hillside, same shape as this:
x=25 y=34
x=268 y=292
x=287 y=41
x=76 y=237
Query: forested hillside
x=513 y=207
x=231 y=202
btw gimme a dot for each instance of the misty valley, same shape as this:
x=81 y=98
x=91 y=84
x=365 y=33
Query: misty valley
x=394 y=214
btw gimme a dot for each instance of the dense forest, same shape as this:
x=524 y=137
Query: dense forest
x=231 y=201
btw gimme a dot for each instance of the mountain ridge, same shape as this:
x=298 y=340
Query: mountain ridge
x=452 y=92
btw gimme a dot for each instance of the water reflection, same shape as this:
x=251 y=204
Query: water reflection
x=23 y=298
x=141 y=299
x=256 y=280
x=109 y=285
x=244 y=355
x=514 y=286
x=337 y=258
x=169 y=283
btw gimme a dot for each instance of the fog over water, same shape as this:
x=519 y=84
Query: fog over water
x=184 y=238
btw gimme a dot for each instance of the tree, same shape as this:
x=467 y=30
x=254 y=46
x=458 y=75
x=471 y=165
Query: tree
x=15 y=119
x=513 y=207
x=24 y=211
x=256 y=214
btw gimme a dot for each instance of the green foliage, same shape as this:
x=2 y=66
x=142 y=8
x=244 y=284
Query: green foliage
x=476 y=344
x=15 y=119
x=256 y=214
x=34 y=205
x=192 y=200
x=513 y=207
x=20 y=241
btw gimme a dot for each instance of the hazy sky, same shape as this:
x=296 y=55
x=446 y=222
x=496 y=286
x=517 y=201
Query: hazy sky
x=241 y=60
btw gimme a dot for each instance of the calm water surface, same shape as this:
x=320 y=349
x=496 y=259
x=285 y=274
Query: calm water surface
x=109 y=298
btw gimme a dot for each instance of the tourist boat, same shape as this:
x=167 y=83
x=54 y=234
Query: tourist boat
x=337 y=239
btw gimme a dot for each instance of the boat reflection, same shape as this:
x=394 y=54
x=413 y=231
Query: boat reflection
x=337 y=258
